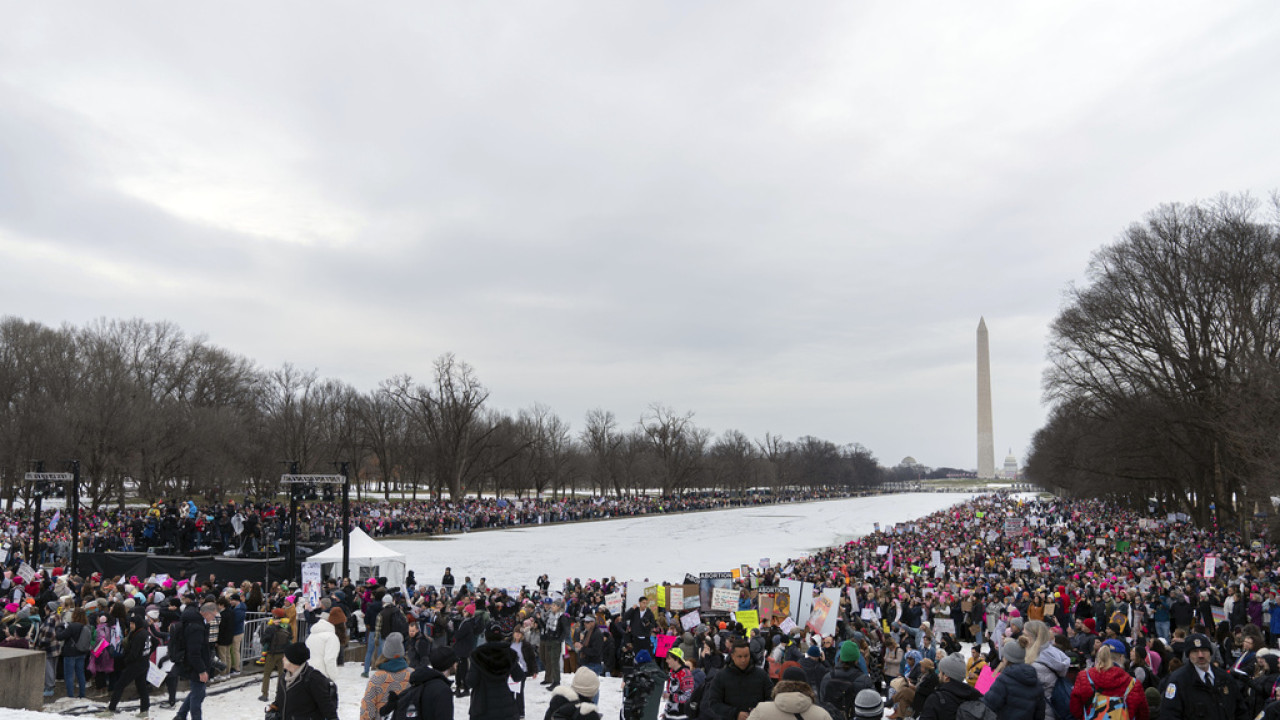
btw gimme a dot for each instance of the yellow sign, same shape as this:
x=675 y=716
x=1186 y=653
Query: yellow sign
x=750 y=619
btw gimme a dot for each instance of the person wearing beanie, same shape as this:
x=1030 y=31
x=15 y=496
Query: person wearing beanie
x=323 y=643
x=464 y=643
x=303 y=692
x=1016 y=693
x=390 y=675
x=275 y=638
x=944 y=702
x=574 y=701
x=134 y=662
x=868 y=704
x=841 y=685
x=492 y=666
x=814 y=667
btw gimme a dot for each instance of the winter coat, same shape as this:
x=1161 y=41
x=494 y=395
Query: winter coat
x=324 y=647
x=491 y=665
x=195 y=635
x=392 y=676
x=814 y=671
x=787 y=705
x=430 y=693
x=464 y=638
x=1051 y=665
x=945 y=701
x=734 y=690
x=924 y=690
x=1016 y=695
x=567 y=705
x=306 y=698
x=417 y=650
x=1112 y=682
x=103 y=662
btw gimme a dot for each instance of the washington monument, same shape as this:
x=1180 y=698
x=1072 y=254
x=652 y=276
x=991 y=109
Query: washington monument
x=986 y=444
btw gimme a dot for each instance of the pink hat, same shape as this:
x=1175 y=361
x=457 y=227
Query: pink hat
x=11 y=607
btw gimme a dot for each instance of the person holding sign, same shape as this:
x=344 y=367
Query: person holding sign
x=134 y=665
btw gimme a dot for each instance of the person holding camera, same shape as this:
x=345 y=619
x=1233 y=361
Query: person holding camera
x=302 y=692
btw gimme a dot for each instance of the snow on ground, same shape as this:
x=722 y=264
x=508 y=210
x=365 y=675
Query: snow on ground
x=656 y=546
x=237 y=699
x=660 y=546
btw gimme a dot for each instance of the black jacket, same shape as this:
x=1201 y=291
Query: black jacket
x=464 y=638
x=195 y=634
x=945 y=701
x=306 y=698
x=417 y=650
x=1191 y=698
x=734 y=690
x=428 y=697
x=69 y=634
x=592 y=648
x=137 y=649
x=491 y=665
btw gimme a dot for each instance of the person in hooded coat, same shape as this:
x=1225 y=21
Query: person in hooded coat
x=1107 y=678
x=573 y=701
x=492 y=665
x=302 y=692
x=1049 y=662
x=324 y=646
x=430 y=692
x=944 y=703
x=814 y=667
x=1016 y=694
x=793 y=699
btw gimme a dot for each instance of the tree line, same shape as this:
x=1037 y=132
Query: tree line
x=152 y=412
x=1164 y=366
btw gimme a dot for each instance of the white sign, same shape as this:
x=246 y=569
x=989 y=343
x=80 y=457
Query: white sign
x=311 y=583
x=690 y=621
x=613 y=603
x=724 y=599
x=764 y=563
x=944 y=625
x=936 y=558
x=675 y=598
x=1053 y=551
x=787 y=625
x=1210 y=566
x=882 y=549
x=155 y=675
x=1020 y=564
x=26 y=572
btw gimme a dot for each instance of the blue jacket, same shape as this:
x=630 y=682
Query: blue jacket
x=237 y=627
x=1016 y=694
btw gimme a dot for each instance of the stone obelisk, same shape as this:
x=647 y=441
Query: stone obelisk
x=986 y=443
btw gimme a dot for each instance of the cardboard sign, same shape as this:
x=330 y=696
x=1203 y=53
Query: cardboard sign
x=724 y=599
x=613 y=603
x=818 y=617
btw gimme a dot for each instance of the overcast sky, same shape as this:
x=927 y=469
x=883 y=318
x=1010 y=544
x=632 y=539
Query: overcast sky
x=784 y=217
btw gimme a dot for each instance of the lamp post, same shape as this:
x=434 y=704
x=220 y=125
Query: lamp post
x=346 y=518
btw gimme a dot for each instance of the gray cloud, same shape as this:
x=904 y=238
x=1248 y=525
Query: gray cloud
x=786 y=219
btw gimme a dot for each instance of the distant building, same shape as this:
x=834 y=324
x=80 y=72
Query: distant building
x=1010 y=469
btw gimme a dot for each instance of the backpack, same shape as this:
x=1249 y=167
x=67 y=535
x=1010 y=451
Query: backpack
x=1060 y=699
x=84 y=643
x=177 y=644
x=841 y=694
x=1105 y=707
x=976 y=710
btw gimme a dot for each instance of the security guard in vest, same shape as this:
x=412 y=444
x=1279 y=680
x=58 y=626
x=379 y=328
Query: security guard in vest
x=1198 y=691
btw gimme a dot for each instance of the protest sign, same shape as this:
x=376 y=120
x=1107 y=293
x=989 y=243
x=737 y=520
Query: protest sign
x=985 y=680
x=749 y=618
x=663 y=644
x=945 y=625
x=613 y=603
x=689 y=621
x=818 y=617
x=675 y=597
x=724 y=599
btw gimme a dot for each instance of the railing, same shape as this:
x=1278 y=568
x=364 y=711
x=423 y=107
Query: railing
x=251 y=643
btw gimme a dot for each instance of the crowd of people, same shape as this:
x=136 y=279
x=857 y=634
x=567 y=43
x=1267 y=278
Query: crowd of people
x=997 y=607
x=180 y=527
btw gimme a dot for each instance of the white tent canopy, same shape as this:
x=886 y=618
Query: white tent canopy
x=368 y=558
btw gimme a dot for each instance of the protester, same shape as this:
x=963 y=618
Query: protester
x=735 y=691
x=573 y=701
x=493 y=666
x=1094 y=687
x=303 y=692
x=1016 y=693
x=390 y=676
x=793 y=699
x=944 y=703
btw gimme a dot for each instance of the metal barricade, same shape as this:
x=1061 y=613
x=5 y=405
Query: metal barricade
x=251 y=643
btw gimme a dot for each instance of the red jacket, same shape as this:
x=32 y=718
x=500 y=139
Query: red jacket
x=1111 y=682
